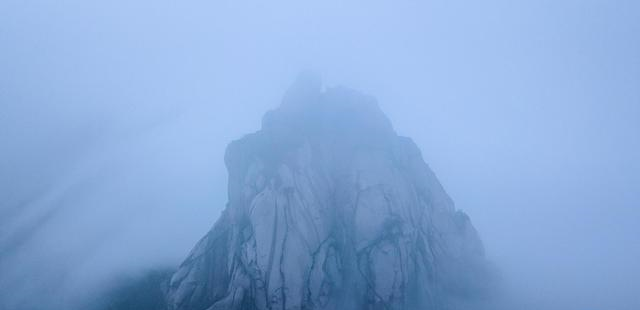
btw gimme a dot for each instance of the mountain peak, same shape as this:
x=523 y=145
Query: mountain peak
x=309 y=110
x=308 y=84
x=330 y=209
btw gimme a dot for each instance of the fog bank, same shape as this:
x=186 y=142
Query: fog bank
x=114 y=118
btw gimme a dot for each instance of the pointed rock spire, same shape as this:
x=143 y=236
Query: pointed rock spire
x=330 y=209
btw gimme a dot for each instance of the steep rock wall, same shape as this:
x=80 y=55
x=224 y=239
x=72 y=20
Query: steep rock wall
x=330 y=209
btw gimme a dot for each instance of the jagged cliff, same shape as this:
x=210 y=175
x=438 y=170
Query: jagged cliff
x=330 y=209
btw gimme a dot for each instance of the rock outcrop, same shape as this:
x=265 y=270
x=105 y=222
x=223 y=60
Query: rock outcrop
x=330 y=209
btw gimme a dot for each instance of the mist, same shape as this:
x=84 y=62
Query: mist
x=114 y=118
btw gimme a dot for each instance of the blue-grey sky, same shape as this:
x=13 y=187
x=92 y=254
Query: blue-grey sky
x=114 y=116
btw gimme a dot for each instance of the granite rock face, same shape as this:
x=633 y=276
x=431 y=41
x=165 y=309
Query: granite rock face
x=330 y=209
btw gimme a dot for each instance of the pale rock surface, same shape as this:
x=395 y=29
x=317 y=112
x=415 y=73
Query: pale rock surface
x=330 y=209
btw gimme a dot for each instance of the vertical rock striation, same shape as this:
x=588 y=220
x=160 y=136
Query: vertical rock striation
x=330 y=209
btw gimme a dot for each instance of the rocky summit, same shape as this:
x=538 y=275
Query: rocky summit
x=330 y=209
